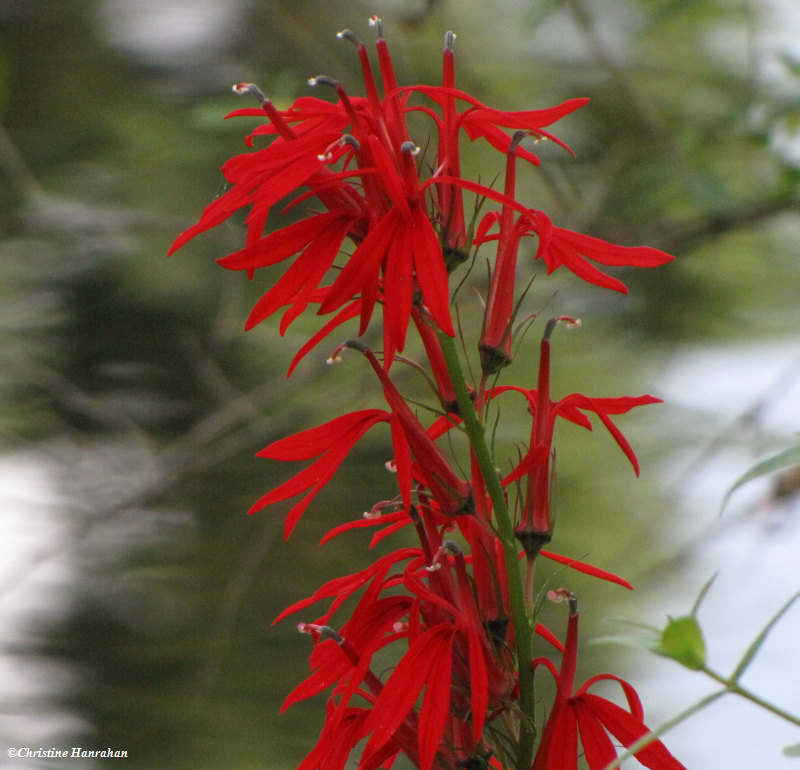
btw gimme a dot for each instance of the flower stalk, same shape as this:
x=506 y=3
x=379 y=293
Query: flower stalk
x=379 y=251
x=519 y=612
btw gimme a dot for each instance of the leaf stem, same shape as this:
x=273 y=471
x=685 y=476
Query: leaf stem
x=735 y=688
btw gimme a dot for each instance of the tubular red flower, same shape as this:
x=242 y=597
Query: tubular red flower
x=495 y=342
x=535 y=523
x=451 y=492
x=580 y=712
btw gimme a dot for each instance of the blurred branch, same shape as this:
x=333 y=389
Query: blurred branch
x=747 y=418
x=12 y=162
x=647 y=113
x=680 y=238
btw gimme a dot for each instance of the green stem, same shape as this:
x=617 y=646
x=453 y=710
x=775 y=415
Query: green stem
x=522 y=627
x=737 y=689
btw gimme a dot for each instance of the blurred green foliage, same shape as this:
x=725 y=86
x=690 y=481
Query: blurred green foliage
x=132 y=360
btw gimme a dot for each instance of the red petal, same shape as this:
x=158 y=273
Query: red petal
x=431 y=271
x=612 y=254
x=627 y=729
x=404 y=686
x=280 y=244
x=306 y=271
x=363 y=265
x=345 y=314
x=479 y=684
x=399 y=283
x=436 y=706
x=312 y=442
x=587 y=569
x=597 y=745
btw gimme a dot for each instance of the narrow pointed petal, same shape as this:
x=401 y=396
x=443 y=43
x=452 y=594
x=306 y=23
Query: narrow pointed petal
x=436 y=706
x=627 y=729
x=587 y=569
x=364 y=264
x=431 y=271
x=305 y=274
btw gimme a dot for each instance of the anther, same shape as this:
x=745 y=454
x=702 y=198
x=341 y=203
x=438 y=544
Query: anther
x=249 y=88
x=323 y=80
x=336 y=356
x=352 y=141
x=449 y=40
x=515 y=141
x=563 y=595
x=451 y=548
x=377 y=510
x=325 y=632
x=348 y=34
x=572 y=323
x=340 y=142
x=376 y=22
x=410 y=148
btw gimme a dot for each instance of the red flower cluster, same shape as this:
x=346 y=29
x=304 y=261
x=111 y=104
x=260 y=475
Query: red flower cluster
x=452 y=615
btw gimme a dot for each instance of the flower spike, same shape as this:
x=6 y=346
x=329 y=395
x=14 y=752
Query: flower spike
x=385 y=231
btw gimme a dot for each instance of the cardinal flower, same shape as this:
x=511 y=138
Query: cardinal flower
x=452 y=493
x=535 y=527
x=495 y=343
x=559 y=247
x=579 y=712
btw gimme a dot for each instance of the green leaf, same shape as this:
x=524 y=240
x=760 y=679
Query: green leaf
x=682 y=640
x=792 y=751
x=702 y=595
x=784 y=459
x=751 y=651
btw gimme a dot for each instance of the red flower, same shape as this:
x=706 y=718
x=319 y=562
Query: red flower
x=561 y=247
x=449 y=657
x=579 y=712
x=452 y=493
x=495 y=342
x=535 y=526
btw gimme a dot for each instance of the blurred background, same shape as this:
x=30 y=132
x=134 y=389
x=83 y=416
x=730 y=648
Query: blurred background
x=136 y=597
